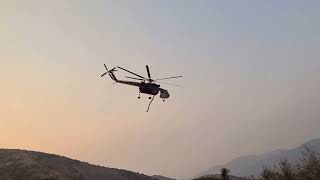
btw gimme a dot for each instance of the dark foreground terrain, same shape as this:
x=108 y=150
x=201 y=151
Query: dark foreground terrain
x=218 y=177
x=29 y=165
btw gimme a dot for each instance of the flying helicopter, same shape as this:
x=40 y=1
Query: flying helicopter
x=146 y=85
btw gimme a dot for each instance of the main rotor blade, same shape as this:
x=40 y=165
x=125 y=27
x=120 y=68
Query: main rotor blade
x=148 y=71
x=168 y=78
x=171 y=84
x=134 y=78
x=105 y=67
x=103 y=74
x=131 y=72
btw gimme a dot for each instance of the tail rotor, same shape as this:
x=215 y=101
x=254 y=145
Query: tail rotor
x=108 y=71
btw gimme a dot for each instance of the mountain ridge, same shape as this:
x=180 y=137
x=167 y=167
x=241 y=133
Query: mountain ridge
x=245 y=166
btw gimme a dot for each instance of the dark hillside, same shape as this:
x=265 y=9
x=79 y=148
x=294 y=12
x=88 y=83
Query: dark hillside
x=29 y=165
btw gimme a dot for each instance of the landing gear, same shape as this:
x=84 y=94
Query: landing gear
x=163 y=100
x=150 y=103
x=139 y=95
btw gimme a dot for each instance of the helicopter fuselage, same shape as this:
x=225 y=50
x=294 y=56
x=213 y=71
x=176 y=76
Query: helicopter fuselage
x=149 y=88
x=153 y=89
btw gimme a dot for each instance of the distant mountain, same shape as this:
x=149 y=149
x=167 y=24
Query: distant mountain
x=29 y=165
x=252 y=165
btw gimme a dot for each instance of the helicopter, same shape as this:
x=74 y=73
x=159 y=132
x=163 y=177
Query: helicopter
x=146 y=85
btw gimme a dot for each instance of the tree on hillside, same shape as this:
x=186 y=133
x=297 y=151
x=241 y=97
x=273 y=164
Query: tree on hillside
x=225 y=173
x=283 y=171
x=266 y=174
x=307 y=169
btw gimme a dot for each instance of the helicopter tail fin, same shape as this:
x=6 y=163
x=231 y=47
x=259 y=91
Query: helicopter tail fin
x=113 y=77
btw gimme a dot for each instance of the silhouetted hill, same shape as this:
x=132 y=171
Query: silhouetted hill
x=159 y=177
x=29 y=165
x=252 y=165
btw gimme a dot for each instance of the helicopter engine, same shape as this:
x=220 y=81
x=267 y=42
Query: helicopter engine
x=164 y=94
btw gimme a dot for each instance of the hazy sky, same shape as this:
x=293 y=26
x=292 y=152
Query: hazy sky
x=251 y=77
